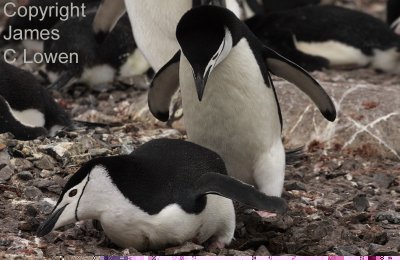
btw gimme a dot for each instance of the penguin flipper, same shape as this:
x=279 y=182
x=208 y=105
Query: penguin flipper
x=228 y=187
x=8 y=123
x=284 y=68
x=163 y=86
x=107 y=16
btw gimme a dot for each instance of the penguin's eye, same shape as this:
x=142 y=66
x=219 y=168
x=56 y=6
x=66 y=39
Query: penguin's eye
x=73 y=192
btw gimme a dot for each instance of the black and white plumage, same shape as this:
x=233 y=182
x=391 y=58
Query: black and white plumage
x=98 y=63
x=393 y=15
x=317 y=37
x=23 y=22
x=153 y=23
x=229 y=100
x=153 y=197
x=27 y=110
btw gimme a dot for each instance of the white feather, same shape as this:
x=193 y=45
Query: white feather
x=29 y=117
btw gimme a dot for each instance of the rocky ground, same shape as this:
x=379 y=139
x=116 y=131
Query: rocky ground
x=343 y=194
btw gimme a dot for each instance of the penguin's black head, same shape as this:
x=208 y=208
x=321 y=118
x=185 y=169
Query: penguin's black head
x=206 y=35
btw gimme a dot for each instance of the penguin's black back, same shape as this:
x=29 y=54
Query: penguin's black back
x=22 y=23
x=324 y=23
x=159 y=173
x=77 y=36
x=392 y=11
x=282 y=5
x=22 y=91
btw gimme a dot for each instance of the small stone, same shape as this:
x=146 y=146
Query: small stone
x=360 y=202
x=232 y=252
x=295 y=185
x=347 y=250
x=2 y=147
x=45 y=163
x=9 y=195
x=30 y=211
x=186 y=248
x=262 y=251
x=31 y=225
x=391 y=216
x=99 y=152
x=384 y=180
x=43 y=184
x=21 y=164
x=6 y=174
x=25 y=176
x=32 y=193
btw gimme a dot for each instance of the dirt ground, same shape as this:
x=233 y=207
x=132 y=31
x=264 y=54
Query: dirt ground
x=341 y=202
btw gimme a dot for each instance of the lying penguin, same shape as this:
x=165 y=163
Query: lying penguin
x=153 y=23
x=27 y=110
x=38 y=22
x=237 y=114
x=393 y=15
x=98 y=63
x=317 y=37
x=153 y=198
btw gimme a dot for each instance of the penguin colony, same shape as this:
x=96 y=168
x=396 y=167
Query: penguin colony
x=220 y=54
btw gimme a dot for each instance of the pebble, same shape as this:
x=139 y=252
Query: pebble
x=6 y=174
x=25 y=176
x=360 y=202
x=31 y=225
x=99 y=152
x=390 y=216
x=32 y=193
x=45 y=163
x=295 y=185
x=31 y=211
x=21 y=164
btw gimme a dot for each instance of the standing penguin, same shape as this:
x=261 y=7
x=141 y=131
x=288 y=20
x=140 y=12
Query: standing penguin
x=237 y=114
x=38 y=22
x=27 y=110
x=98 y=63
x=154 y=198
x=317 y=37
x=393 y=15
x=153 y=23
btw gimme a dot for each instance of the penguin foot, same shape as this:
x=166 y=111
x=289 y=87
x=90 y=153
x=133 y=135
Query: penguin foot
x=265 y=214
x=215 y=245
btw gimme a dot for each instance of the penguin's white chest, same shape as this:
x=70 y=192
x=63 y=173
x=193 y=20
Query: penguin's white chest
x=238 y=116
x=154 y=23
x=29 y=117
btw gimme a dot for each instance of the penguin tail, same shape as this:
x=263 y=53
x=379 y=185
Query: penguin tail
x=294 y=156
x=228 y=187
x=62 y=81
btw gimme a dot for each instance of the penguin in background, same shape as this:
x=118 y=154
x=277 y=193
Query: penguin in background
x=23 y=22
x=97 y=63
x=153 y=198
x=317 y=37
x=153 y=23
x=282 y=5
x=393 y=15
x=27 y=110
x=228 y=97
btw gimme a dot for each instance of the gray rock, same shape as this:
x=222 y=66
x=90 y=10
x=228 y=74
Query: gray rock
x=32 y=193
x=360 y=202
x=21 y=164
x=99 y=152
x=25 y=176
x=31 y=225
x=391 y=216
x=295 y=185
x=45 y=163
x=186 y=248
x=6 y=174
x=232 y=252
x=384 y=180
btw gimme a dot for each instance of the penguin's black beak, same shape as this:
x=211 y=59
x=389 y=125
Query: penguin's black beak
x=200 y=82
x=47 y=226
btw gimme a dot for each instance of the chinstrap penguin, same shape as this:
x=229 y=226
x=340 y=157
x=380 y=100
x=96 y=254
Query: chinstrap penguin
x=229 y=100
x=154 y=198
x=153 y=23
x=317 y=37
x=23 y=23
x=98 y=63
x=27 y=109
